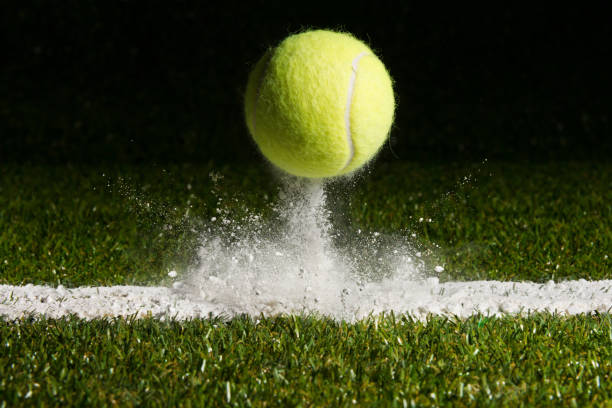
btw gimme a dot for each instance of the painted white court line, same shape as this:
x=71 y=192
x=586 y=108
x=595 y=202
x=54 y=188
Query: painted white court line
x=418 y=299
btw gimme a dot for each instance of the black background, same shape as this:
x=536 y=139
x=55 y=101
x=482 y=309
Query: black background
x=87 y=82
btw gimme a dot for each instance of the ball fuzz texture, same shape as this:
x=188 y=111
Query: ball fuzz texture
x=320 y=104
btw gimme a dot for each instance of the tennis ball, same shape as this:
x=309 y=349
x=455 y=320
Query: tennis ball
x=320 y=104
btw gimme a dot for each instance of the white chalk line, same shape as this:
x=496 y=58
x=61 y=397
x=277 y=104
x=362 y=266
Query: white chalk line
x=425 y=298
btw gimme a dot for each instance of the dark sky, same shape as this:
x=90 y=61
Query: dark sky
x=149 y=81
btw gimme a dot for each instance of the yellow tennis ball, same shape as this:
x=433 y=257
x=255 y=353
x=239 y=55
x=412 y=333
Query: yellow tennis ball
x=320 y=104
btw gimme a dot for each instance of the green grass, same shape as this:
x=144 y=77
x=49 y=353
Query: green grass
x=537 y=360
x=130 y=224
x=506 y=221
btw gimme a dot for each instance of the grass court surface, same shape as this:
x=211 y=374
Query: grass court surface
x=80 y=226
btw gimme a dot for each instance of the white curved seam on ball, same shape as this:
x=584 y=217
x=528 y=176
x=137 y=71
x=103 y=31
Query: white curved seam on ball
x=264 y=71
x=347 y=110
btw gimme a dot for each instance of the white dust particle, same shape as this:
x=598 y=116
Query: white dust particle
x=297 y=262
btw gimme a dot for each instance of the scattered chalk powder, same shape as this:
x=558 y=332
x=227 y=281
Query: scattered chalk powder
x=298 y=263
